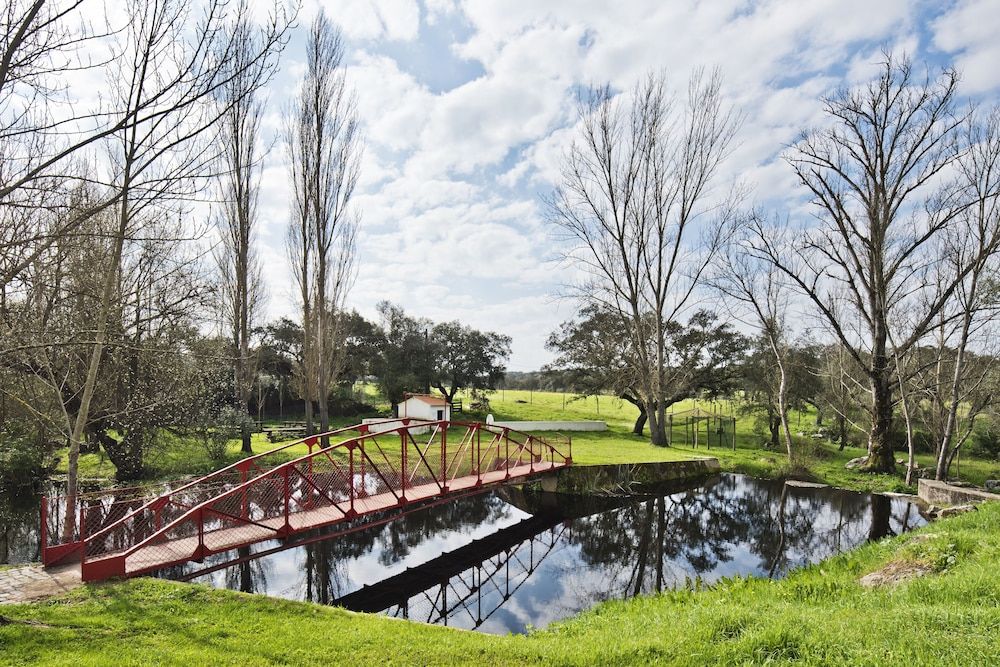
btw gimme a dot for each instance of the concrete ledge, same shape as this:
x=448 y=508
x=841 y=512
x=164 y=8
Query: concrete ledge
x=941 y=493
x=624 y=478
x=553 y=425
x=584 y=490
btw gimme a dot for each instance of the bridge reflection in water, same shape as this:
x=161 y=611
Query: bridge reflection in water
x=504 y=561
x=473 y=594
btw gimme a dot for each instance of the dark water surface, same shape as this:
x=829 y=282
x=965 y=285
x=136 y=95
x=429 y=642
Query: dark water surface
x=485 y=562
x=19 y=527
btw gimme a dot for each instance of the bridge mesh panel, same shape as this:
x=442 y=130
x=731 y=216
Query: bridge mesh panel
x=377 y=476
x=220 y=512
x=144 y=521
x=320 y=492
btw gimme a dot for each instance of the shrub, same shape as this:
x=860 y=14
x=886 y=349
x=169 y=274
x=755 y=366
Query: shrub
x=228 y=423
x=345 y=406
x=986 y=439
x=22 y=461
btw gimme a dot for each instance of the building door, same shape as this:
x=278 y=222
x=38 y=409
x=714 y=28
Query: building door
x=440 y=415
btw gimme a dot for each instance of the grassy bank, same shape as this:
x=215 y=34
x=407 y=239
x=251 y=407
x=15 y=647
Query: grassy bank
x=818 y=615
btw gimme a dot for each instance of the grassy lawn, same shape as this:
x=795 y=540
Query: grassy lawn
x=818 y=460
x=176 y=457
x=818 y=615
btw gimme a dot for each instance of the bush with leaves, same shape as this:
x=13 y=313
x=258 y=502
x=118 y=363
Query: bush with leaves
x=22 y=460
x=223 y=427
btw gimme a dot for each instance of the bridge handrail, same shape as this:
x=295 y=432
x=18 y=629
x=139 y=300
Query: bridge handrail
x=227 y=469
x=406 y=423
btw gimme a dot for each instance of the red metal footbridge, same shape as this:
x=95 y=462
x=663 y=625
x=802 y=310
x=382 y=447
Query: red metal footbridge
x=343 y=475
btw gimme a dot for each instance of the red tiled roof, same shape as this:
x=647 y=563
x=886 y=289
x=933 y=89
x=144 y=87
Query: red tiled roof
x=427 y=398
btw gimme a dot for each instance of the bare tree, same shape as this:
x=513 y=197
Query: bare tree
x=239 y=269
x=163 y=80
x=906 y=400
x=960 y=383
x=635 y=209
x=325 y=147
x=47 y=133
x=755 y=292
x=878 y=178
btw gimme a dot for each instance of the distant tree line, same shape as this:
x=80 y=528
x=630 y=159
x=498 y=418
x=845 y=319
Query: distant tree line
x=398 y=353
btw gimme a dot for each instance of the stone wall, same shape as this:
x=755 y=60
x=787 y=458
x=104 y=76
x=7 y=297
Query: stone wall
x=627 y=477
x=584 y=490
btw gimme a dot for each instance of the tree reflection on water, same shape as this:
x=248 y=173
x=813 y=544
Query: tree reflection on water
x=480 y=562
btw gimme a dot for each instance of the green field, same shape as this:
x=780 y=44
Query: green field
x=816 y=459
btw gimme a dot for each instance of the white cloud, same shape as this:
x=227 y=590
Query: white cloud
x=452 y=222
x=970 y=31
x=372 y=19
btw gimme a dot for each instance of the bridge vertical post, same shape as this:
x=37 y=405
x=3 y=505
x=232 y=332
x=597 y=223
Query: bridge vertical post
x=364 y=485
x=403 y=466
x=444 y=457
x=288 y=497
x=350 y=468
x=531 y=455
x=479 y=457
x=506 y=460
x=200 y=551
x=309 y=445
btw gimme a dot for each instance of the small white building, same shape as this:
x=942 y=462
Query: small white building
x=423 y=406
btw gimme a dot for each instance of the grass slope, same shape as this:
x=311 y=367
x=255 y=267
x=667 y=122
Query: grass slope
x=818 y=615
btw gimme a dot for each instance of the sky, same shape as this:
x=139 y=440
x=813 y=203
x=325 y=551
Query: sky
x=468 y=107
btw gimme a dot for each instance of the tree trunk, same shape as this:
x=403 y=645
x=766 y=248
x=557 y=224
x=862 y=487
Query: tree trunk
x=246 y=435
x=111 y=271
x=783 y=408
x=657 y=427
x=324 y=414
x=242 y=395
x=948 y=449
x=126 y=455
x=640 y=423
x=774 y=426
x=842 y=431
x=447 y=393
x=880 y=454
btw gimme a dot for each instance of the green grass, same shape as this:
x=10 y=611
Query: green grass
x=816 y=460
x=818 y=615
x=175 y=457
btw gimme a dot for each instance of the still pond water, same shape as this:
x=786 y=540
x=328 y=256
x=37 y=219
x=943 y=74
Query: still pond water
x=483 y=562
